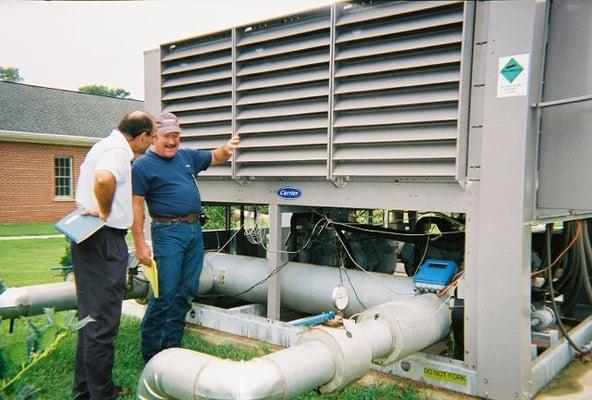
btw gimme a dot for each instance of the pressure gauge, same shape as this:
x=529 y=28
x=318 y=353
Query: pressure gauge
x=340 y=298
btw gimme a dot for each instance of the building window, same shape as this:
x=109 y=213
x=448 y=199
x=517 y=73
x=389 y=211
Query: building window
x=63 y=176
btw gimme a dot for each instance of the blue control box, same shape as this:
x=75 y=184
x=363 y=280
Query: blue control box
x=434 y=275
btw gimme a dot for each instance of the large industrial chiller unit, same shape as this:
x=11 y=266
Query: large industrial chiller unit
x=469 y=119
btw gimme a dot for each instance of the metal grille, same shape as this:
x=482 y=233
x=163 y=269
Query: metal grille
x=197 y=87
x=397 y=71
x=356 y=89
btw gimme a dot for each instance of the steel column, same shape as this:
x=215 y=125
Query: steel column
x=275 y=258
x=505 y=205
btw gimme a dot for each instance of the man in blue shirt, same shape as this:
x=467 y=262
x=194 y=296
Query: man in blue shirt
x=164 y=179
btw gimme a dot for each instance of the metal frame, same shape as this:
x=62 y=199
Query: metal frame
x=496 y=189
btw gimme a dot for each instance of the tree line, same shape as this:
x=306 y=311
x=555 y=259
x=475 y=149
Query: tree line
x=12 y=74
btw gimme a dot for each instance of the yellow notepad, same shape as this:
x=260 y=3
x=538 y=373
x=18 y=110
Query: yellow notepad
x=151 y=273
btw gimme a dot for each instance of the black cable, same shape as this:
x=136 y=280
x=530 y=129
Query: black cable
x=354 y=289
x=548 y=233
x=572 y=293
x=565 y=281
x=587 y=251
x=272 y=273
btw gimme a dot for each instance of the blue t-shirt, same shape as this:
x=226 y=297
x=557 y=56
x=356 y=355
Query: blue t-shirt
x=167 y=183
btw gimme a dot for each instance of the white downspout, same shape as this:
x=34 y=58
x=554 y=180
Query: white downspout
x=327 y=358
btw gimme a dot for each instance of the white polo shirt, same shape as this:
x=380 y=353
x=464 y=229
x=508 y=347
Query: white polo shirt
x=113 y=154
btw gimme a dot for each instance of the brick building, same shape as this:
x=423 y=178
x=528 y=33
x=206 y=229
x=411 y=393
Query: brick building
x=44 y=136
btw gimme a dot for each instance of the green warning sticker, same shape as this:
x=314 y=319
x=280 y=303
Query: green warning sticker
x=511 y=70
x=445 y=376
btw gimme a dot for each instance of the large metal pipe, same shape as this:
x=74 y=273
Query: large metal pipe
x=554 y=359
x=31 y=300
x=305 y=287
x=327 y=358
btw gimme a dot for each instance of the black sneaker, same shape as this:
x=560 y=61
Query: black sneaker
x=81 y=396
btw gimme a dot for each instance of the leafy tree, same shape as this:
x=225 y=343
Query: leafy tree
x=103 y=90
x=10 y=74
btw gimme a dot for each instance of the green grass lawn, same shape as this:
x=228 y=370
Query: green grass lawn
x=40 y=228
x=54 y=375
x=28 y=262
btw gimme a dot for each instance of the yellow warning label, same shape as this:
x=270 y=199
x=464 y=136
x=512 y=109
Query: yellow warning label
x=445 y=376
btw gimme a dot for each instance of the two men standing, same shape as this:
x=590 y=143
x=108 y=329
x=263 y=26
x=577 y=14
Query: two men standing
x=165 y=180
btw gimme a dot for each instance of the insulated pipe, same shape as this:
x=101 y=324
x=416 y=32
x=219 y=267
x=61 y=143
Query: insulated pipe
x=414 y=324
x=327 y=358
x=305 y=287
x=184 y=374
x=31 y=300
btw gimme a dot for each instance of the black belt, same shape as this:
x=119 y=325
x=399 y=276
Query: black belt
x=116 y=230
x=189 y=218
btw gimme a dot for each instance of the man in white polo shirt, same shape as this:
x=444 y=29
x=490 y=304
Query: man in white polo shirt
x=100 y=262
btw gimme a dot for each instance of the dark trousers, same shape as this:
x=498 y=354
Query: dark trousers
x=100 y=264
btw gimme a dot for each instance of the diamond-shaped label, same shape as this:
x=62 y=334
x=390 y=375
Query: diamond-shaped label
x=511 y=70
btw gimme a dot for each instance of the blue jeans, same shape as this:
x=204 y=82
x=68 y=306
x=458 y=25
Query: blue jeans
x=178 y=251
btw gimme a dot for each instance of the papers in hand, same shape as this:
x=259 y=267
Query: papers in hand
x=151 y=273
x=78 y=227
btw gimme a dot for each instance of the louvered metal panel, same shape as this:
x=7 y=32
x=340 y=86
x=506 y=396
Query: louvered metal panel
x=397 y=68
x=395 y=134
x=393 y=45
x=389 y=168
x=284 y=124
x=419 y=151
x=222 y=129
x=197 y=82
x=283 y=139
x=395 y=116
x=212 y=115
x=285 y=46
x=283 y=93
x=382 y=28
x=389 y=80
x=359 y=89
x=364 y=11
x=188 y=79
x=393 y=98
x=283 y=155
x=201 y=103
x=284 y=109
x=196 y=91
x=199 y=62
x=299 y=76
x=196 y=47
x=279 y=63
x=300 y=24
x=398 y=62
x=283 y=169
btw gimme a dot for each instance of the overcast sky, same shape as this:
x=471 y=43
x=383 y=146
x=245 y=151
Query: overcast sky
x=68 y=44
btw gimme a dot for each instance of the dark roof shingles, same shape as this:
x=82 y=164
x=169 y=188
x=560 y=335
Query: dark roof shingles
x=27 y=108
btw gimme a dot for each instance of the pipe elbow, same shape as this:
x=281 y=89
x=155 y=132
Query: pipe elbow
x=184 y=374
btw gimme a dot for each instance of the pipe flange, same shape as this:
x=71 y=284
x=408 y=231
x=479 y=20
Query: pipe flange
x=350 y=350
x=394 y=327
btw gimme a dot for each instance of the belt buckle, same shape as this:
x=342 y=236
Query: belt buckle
x=191 y=218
